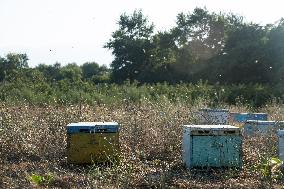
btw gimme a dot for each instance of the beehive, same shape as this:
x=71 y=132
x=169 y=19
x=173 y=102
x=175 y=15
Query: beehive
x=212 y=146
x=213 y=116
x=252 y=127
x=258 y=116
x=243 y=117
x=281 y=144
x=237 y=117
x=92 y=142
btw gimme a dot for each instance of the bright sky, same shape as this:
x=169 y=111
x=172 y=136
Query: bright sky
x=75 y=30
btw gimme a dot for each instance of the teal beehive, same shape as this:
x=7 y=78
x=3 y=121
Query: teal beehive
x=280 y=134
x=212 y=146
x=252 y=127
x=243 y=117
x=258 y=116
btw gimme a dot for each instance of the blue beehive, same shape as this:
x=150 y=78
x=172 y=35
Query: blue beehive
x=252 y=127
x=238 y=117
x=258 y=116
x=243 y=117
x=281 y=144
x=212 y=146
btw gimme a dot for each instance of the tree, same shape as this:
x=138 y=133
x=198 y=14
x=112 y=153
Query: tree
x=275 y=51
x=130 y=45
x=50 y=72
x=95 y=73
x=90 y=69
x=243 y=58
x=12 y=65
x=17 y=61
x=71 y=72
x=200 y=37
x=202 y=32
x=2 y=68
x=160 y=60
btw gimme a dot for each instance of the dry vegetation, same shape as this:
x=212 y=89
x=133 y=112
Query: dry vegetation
x=33 y=141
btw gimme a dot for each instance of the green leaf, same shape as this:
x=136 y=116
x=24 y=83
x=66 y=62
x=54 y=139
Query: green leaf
x=37 y=179
x=275 y=160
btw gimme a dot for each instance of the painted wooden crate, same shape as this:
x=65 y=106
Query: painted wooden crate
x=253 y=127
x=213 y=116
x=243 y=117
x=281 y=144
x=92 y=142
x=212 y=146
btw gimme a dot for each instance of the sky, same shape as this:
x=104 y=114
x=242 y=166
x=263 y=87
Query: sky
x=68 y=31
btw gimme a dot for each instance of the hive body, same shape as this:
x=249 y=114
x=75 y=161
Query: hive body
x=212 y=146
x=252 y=127
x=281 y=144
x=213 y=116
x=243 y=117
x=92 y=142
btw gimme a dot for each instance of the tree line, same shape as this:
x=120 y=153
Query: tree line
x=14 y=67
x=219 y=48
x=237 y=58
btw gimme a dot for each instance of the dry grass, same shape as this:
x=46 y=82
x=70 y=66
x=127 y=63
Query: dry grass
x=33 y=141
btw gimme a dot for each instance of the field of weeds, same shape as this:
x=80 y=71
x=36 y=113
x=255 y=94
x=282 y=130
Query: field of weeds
x=33 y=149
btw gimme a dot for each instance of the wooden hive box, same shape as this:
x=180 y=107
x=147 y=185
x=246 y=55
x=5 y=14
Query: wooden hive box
x=92 y=142
x=243 y=117
x=253 y=127
x=213 y=116
x=212 y=146
x=281 y=144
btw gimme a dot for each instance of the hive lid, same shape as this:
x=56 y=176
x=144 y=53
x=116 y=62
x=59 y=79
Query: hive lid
x=261 y=122
x=258 y=113
x=239 y=113
x=213 y=110
x=211 y=127
x=91 y=124
x=95 y=127
x=246 y=113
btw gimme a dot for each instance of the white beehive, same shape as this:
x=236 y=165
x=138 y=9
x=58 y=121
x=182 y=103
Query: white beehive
x=212 y=146
x=213 y=116
x=281 y=144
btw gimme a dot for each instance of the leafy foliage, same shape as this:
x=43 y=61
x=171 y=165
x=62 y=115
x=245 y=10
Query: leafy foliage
x=130 y=45
x=42 y=180
x=270 y=168
x=215 y=47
